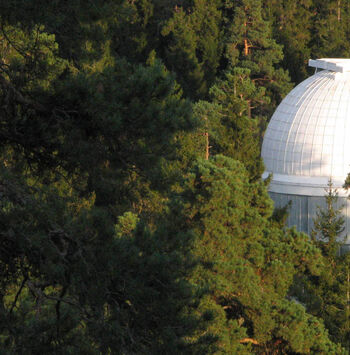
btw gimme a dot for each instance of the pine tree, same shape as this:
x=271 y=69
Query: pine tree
x=194 y=46
x=250 y=45
x=246 y=264
x=326 y=295
x=292 y=24
x=109 y=242
x=91 y=148
x=329 y=225
x=330 y=32
x=231 y=131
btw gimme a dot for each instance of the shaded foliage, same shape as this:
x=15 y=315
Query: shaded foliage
x=116 y=236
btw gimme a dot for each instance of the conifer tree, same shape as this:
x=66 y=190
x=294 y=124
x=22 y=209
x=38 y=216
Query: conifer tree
x=250 y=45
x=326 y=295
x=90 y=148
x=330 y=32
x=229 y=126
x=329 y=225
x=247 y=264
x=292 y=24
x=195 y=46
x=109 y=243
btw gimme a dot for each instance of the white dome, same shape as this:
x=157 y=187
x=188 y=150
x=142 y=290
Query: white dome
x=308 y=138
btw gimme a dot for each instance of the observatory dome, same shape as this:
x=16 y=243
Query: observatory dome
x=307 y=141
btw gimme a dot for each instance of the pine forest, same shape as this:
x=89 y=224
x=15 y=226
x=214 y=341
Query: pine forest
x=133 y=215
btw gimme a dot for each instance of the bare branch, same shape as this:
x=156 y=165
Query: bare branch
x=6 y=85
x=249 y=340
x=18 y=293
x=23 y=54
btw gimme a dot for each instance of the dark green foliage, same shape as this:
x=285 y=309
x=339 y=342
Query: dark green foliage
x=231 y=131
x=116 y=238
x=330 y=32
x=329 y=225
x=72 y=281
x=309 y=28
x=195 y=45
x=327 y=294
x=247 y=264
x=123 y=116
x=106 y=139
x=250 y=45
x=280 y=215
x=292 y=22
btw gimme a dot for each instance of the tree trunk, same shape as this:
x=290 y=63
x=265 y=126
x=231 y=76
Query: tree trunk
x=246 y=47
x=206 y=134
x=249 y=113
x=207 y=146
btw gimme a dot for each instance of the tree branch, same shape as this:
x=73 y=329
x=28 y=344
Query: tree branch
x=18 y=293
x=249 y=340
x=7 y=86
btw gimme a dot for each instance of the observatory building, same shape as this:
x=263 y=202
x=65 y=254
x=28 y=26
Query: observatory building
x=307 y=142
